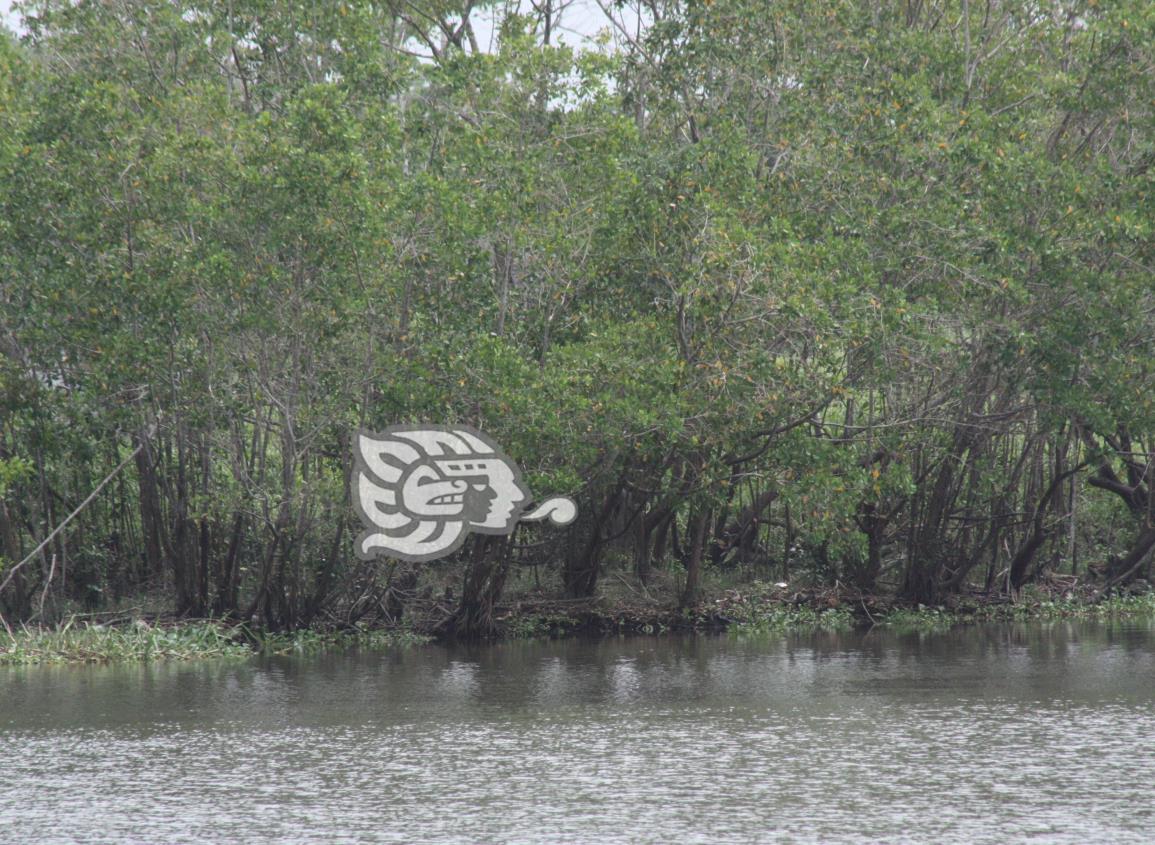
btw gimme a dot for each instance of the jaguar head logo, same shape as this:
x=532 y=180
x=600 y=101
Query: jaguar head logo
x=420 y=490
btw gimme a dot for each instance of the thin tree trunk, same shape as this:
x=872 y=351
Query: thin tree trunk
x=698 y=528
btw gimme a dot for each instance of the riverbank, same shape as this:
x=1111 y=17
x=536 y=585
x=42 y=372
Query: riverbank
x=759 y=608
x=137 y=640
x=773 y=608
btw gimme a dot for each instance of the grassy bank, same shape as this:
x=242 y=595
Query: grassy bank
x=79 y=642
x=758 y=609
x=83 y=642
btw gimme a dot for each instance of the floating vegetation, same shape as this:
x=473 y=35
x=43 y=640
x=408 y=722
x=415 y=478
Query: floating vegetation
x=783 y=619
x=923 y=618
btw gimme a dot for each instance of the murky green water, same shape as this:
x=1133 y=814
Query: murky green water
x=991 y=734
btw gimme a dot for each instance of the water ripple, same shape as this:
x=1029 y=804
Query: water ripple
x=981 y=736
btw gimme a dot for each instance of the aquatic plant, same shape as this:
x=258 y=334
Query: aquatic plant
x=82 y=642
x=782 y=619
x=87 y=642
x=924 y=618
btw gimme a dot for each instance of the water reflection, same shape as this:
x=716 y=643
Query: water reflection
x=983 y=734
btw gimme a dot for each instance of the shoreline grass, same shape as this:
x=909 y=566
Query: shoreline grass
x=75 y=642
x=1032 y=610
x=138 y=641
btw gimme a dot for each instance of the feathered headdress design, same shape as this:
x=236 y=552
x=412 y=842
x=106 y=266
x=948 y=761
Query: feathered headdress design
x=420 y=490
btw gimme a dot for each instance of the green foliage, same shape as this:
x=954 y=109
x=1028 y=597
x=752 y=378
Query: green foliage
x=1028 y=609
x=79 y=642
x=87 y=643
x=762 y=608
x=536 y=626
x=13 y=471
x=838 y=290
x=788 y=620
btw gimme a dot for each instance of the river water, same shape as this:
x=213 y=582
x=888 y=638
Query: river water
x=1039 y=733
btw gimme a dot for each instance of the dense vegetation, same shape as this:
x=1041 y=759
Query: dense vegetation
x=855 y=292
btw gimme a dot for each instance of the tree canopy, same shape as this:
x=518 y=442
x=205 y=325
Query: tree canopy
x=855 y=292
